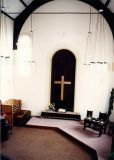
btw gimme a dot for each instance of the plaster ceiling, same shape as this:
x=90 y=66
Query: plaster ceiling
x=14 y=7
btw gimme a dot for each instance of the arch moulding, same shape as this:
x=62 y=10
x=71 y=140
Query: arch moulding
x=19 y=21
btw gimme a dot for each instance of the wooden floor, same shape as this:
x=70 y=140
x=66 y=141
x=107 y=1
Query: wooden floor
x=102 y=144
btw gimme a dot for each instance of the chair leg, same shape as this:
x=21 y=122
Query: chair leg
x=84 y=125
x=100 y=131
x=105 y=130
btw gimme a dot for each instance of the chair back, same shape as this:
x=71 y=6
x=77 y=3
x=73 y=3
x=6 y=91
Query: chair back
x=103 y=116
x=89 y=113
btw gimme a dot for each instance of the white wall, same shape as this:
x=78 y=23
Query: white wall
x=52 y=32
x=6 y=64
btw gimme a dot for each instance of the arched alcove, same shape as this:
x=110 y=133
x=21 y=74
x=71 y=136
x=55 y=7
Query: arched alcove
x=63 y=80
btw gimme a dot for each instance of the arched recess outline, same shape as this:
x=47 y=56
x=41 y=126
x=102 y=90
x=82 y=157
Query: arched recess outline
x=63 y=80
x=19 y=21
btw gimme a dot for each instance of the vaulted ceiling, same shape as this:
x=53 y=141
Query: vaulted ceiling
x=14 y=7
x=19 y=10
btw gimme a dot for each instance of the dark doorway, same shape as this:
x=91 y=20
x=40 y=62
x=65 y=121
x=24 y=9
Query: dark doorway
x=63 y=80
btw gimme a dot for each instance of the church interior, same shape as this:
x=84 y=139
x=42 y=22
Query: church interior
x=57 y=79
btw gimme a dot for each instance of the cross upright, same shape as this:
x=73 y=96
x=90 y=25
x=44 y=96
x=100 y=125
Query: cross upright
x=62 y=83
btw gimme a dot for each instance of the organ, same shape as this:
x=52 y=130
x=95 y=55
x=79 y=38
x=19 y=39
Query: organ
x=10 y=109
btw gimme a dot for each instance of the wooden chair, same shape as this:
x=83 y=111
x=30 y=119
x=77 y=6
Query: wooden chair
x=99 y=124
x=8 y=115
x=10 y=109
x=103 y=121
x=0 y=107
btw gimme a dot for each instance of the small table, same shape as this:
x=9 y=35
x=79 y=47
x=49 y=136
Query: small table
x=60 y=115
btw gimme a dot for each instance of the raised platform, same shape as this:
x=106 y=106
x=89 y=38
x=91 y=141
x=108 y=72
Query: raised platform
x=61 y=115
x=75 y=129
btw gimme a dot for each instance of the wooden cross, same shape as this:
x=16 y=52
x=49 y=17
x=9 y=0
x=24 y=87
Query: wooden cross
x=62 y=83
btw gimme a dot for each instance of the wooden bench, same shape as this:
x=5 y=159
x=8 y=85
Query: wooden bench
x=22 y=117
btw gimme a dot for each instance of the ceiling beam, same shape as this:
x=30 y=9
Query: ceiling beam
x=23 y=3
x=19 y=21
x=7 y=15
x=107 y=3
